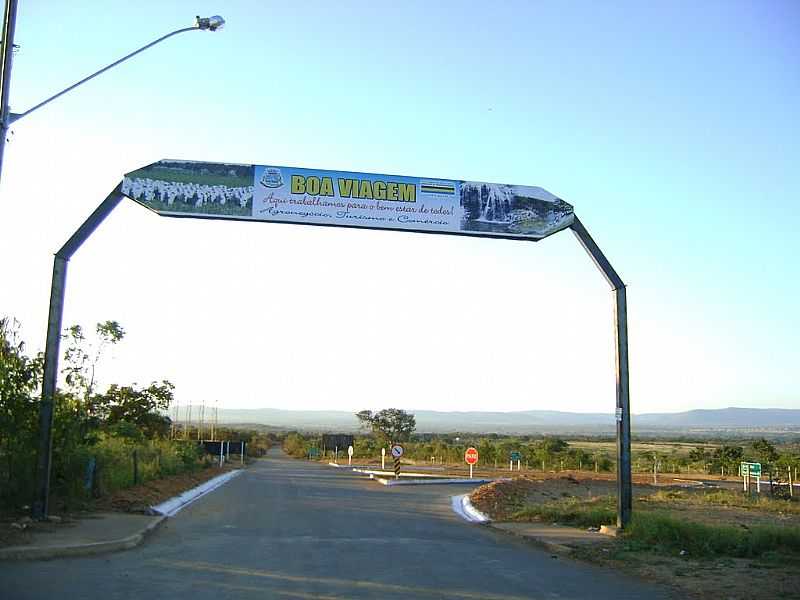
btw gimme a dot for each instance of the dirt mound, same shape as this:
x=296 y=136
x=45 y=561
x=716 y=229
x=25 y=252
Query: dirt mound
x=501 y=498
x=139 y=498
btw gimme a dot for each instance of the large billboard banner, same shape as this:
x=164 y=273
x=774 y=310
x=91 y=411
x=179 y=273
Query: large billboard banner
x=348 y=199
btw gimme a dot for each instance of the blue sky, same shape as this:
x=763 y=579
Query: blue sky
x=672 y=129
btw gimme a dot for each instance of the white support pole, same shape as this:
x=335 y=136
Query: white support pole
x=221 y=458
x=511 y=465
x=242 y=450
x=383 y=459
x=758 y=483
x=470 y=471
x=519 y=465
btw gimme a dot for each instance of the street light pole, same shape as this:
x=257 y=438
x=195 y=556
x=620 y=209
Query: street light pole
x=9 y=25
x=7 y=118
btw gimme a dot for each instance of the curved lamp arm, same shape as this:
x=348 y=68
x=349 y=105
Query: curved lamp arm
x=202 y=24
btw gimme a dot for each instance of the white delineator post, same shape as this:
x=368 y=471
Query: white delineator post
x=220 y=454
x=383 y=459
x=242 y=449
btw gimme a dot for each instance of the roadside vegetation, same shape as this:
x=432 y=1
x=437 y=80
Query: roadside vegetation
x=105 y=439
x=547 y=454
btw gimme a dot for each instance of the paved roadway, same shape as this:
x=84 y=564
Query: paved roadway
x=293 y=529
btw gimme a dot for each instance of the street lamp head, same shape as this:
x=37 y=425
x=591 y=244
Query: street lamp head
x=210 y=23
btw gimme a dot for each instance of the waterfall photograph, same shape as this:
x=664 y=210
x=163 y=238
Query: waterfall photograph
x=512 y=209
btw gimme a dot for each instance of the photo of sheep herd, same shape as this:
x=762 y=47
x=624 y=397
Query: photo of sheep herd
x=214 y=189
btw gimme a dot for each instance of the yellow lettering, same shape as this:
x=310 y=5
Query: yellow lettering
x=366 y=189
x=326 y=187
x=345 y=187
x=298 y=184
x=391 y=191
x=379 y=190
x=408 y=192
x=312 y=185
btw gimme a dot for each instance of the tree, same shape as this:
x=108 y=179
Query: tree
x=765 y=452
x=698 y=455
x=20 y=377
x=728 y=457
x=390 y=424
x=141 y=407
x=82 y=357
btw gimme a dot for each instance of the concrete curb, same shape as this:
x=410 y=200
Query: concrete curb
x=172 y=506
x=48 y=552
x=463 y=508
x=551 y=547
x=384 y=481
x=163 y=511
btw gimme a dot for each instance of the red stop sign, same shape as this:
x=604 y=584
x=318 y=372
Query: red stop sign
x=471 y=456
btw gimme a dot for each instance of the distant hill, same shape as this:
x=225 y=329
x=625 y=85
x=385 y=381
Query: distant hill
x=530 y=421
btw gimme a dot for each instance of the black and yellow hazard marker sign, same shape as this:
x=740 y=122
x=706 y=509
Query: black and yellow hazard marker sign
x=397 y=452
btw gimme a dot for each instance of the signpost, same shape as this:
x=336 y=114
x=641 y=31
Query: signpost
x=397 y=452
x=748 y=470
x=247 y=192
x=383 y=459
x=471 y=458
x=515 y=457
x=349 y=455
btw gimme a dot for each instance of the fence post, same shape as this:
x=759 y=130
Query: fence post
x=135 y=466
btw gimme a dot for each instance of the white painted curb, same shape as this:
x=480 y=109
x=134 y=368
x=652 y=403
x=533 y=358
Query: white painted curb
x=405 y=474
x=173 y=505
x=384 y=481
x=464 y=509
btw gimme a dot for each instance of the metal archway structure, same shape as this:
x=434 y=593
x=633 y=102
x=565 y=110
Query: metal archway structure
x=176 y=188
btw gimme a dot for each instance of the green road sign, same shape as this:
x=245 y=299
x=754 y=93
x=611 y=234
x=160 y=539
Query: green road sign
x=515 y=456
x=748 y=468
x=313 y=452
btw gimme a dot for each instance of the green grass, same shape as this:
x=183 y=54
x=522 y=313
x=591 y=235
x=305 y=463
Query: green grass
x=658 y=530
x=231 y=209
x=662 y=531
x=730 y=498
x=571 y=511
x=189 y=176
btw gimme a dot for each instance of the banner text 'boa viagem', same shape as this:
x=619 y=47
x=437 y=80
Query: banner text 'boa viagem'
x=342 y=198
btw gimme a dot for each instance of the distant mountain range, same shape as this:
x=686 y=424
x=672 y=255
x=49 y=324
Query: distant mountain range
x=529 y=421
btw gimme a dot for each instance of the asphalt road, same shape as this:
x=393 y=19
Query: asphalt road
x=292 y=529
